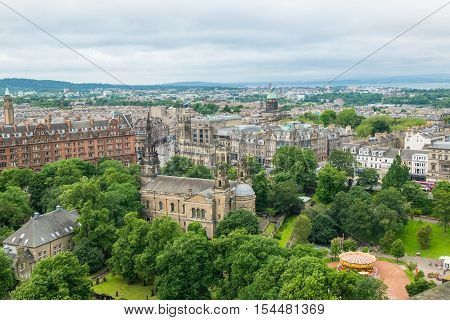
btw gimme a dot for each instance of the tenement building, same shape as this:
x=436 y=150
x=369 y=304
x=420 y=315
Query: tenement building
x=188 y=200
x=34 y=145
x=41 y=237
x=439 y=161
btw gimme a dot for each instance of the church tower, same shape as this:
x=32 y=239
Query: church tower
x=8 y=109
x=150 y=160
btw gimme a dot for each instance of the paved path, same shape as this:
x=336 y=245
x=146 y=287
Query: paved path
x=422 y=263
x=392 y=275
x=395 y=279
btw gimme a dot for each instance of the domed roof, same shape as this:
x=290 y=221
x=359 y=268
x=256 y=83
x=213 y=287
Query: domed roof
x=244 y=190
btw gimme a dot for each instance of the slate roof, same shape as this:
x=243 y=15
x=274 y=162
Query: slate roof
x=440 y=292
x=441 y=145
x=181 y=185
x=42 y=229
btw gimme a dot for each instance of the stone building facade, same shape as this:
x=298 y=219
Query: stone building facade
x=32 y=146
x=41 y=237
x=439 y=161
x=188 y=200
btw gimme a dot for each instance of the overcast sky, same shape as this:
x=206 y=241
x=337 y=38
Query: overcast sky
x=148 y=42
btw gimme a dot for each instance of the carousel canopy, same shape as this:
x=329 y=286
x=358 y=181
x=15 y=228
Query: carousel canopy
x=357 y=259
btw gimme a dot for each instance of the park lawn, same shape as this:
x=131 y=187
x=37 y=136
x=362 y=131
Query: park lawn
x=286 y=230
x=269 y=229
x=126 y=291
x=440 y=243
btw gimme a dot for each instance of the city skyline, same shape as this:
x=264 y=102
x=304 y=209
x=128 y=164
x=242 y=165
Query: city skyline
x=221 y=42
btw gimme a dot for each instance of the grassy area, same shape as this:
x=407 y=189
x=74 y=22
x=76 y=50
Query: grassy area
x=126 y=291
x=440 y=244
x=269 y=229
x=286 y=230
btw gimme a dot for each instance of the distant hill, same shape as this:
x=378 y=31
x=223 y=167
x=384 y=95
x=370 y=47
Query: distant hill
x=52 y=85
x=16 y=84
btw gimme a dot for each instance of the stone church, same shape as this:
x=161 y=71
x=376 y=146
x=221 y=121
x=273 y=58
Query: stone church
x=188 y=200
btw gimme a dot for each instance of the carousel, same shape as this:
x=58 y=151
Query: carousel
x=361 y=262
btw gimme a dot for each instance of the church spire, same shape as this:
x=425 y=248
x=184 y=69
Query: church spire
x=7 y=92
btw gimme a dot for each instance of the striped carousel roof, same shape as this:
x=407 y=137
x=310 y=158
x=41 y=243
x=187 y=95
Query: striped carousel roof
x=358 y=258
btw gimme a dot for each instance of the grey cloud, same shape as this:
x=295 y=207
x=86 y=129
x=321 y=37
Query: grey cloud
x=166 y=41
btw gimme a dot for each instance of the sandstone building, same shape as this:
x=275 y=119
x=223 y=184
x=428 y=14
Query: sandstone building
x=188 y=200
x=41 y=237
x=34 y=145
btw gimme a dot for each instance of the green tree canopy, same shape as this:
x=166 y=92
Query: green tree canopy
x=60 y=277
x=368 y=178
x=238 y=219
x=129 y=245
x=441 y=202
x=330 y=182
x=7 y=278
x=398 y=249
x=162 y=232
x=185 y=269
x=14 y=207
x=397 y=175
x=343 y=160
x=299 y=164
x=74 y=196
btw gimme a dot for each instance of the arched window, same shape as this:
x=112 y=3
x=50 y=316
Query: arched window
x=172 y=207
x=220 y=183
x=203 y=214
x=193 y=213
x=148 y=204
x=160 y=206
x=198 y=213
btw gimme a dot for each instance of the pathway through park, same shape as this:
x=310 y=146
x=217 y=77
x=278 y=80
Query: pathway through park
x=393 y=276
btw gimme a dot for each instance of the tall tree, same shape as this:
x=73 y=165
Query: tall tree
x=284 y=197
x=15 y=178
x=330 y=182
x=260 y=185
x=177 y=166
x=343 y=160
x=324 y=229
x=96 y=231
x=161 y=234
x=238 y=219
x=348 y=117
x=121 y=199
x=414 y=194
x=328 y=117
x=199 y=171
x=129 y=245
x=185 y=269
x=302 y=229
x=368 y=178
x=75 y=196
x=397 y=175
x=7 y=279
x=237 y=257
x=398 y=249
x=14 y=207
x=441 y=202
x=299 y=164
x=60 y=277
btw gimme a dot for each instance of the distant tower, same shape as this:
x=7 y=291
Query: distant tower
x=271 y=102
x=8 y=109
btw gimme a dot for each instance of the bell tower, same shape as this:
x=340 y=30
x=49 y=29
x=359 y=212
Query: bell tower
x=150 y=160
x=8 y=109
